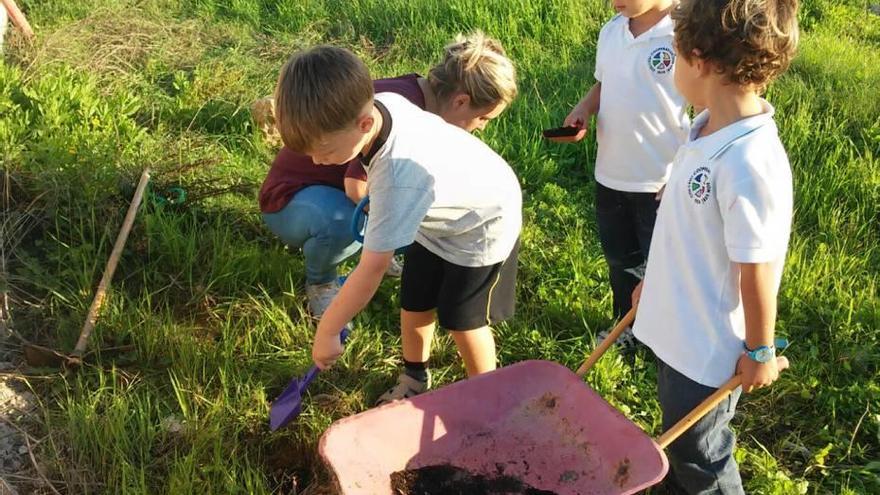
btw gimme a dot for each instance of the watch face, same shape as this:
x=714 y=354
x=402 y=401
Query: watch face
x=763 y=355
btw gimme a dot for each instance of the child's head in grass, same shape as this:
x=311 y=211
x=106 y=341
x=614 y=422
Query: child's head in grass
x=747 y=43
x=474 y=82
x=323 y=104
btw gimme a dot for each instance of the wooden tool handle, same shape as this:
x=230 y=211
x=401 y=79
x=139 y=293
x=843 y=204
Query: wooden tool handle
x=698 y=412
x=609 y=340
x=704 y=407
x=101 y=293
x=18 y=18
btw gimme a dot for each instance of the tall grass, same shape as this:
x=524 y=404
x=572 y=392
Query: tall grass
x=210 y=306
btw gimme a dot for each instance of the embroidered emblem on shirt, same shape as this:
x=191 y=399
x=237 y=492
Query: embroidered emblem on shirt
x=661 y=60
x=699 y=186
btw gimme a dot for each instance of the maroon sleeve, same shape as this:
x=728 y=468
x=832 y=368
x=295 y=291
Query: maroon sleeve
x=406 y=86
x=356 y=170
x=291 y=172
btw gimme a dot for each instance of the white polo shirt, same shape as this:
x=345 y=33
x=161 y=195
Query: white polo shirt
x=642 y=118
x=437 y=184
x=728 y=201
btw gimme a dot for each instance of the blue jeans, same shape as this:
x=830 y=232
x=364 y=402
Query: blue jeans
x=626 y=223
x=700 y=460
x=318 y=220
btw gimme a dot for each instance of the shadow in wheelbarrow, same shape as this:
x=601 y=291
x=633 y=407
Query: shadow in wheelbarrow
x=532 y=427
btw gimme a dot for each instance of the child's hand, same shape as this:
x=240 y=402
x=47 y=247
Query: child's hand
x=579 y=117
x=659 y=194
x=326 y=349
x=757 y=375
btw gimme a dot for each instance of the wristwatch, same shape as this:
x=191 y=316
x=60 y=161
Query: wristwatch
x=765 y=353
x=761 y=354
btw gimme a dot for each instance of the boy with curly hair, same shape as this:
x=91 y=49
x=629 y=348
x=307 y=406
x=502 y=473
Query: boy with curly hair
x=707 y=305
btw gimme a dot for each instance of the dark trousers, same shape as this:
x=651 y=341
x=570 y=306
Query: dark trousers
x=626 y=222
x=701 y=459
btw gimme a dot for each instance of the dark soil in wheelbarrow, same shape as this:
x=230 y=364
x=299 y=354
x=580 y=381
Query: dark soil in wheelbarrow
x=445 y=479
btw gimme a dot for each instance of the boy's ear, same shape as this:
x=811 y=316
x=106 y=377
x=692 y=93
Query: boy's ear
x=365 y=122
x=701 y=64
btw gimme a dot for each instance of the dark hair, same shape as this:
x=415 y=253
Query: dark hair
x=752 y=42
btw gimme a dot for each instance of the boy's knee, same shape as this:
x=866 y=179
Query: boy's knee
x=338 y=234
x=332 y=227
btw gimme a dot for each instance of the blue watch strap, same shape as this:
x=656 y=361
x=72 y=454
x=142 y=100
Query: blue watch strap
x=779 y=343
x=762 y=354
x=765 y=353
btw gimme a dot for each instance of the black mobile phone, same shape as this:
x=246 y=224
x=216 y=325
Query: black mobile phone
x=567 y=131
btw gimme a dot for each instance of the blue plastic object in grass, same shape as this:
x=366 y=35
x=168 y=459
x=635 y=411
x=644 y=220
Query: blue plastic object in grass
x=288 y=406
x=359 y=223
x=174 y=195
x=359 y=220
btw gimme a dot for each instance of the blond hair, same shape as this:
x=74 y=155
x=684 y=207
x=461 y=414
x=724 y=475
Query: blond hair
x=751 y=42
x=477 y=66
x=320 y=90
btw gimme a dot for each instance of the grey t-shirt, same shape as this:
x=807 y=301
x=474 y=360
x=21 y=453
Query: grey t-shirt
x=436 y=184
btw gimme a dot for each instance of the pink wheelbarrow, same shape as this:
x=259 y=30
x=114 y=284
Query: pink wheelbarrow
x=532 y=428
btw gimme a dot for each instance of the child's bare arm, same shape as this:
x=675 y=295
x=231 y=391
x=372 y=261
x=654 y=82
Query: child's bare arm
x=759 y=302
x=591 y=100
x=357 y=291
x=355 y=189
x=758 y=290
x=587 y=107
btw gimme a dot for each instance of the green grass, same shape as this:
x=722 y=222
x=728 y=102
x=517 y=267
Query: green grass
x=212 y=306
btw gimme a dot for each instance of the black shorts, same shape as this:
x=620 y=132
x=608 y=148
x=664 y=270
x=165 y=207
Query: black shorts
x=466 y=298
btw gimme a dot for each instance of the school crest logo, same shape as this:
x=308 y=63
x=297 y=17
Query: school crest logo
x=700 y=185
x=661 y=60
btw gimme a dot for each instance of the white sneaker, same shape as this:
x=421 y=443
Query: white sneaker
x=395 y=269
x=625 y=342
x=405 y=388
x=320 y=296
x=638 y=271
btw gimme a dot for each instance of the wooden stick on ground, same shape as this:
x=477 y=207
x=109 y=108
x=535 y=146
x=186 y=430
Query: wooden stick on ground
x=101 y=293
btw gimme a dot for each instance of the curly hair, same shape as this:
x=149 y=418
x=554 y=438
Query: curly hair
x=751 y=42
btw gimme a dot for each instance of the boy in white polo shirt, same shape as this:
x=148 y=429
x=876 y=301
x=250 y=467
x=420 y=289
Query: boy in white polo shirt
x=641 y=121
x=433 y=187
x=707 y=305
